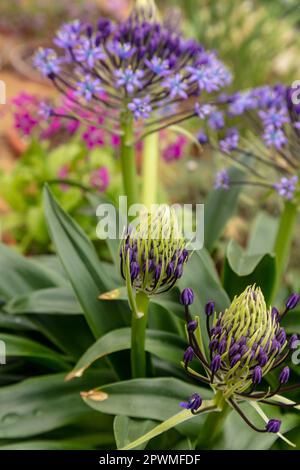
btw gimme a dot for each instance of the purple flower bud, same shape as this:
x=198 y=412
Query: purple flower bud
x=134 y=270
x=293 y=341
x=157 y=273
x=187 y=297
x=192 y=326
x=243 y=350
x=215 y=364
x=284 y=375
x=235 y=360
x=222 y=346
x=263 y=359
x=193 y=404
x=234 y=349
x=257 y=375
x=209 y=308
x=188 y=355
x=276 y=346
x=170 y=269
x=292 y=301
x=273 y=426
x=213 y=345
x=179 y=271
x=281 y=336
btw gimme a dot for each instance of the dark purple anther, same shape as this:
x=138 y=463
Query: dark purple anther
x=235 y=360
x=284 y=375
x=257 y=375
x=273 y=426
x=188 y=355
x=293 y=342
x=215 y=364
x=187 y=297
x=209 y=308
x=192 y=326
x=292 y=301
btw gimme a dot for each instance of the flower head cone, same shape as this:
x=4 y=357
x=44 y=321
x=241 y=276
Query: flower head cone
x=153 y=253
x=246 y=343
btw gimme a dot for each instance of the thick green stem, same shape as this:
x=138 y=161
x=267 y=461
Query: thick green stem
x=283 y=242
x=213 y=424
x=150 y=169
x=128 y=163
x=138 y=337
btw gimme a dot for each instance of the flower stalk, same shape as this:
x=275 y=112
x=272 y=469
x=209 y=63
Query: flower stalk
x=138 y=336
x=283 y=241
x=150 y=170
x=128 y=163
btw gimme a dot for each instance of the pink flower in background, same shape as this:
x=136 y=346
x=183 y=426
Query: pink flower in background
x=100 y=179
x=175 y=150
x=63 y=174
x=24 y=99
x=115 y=141
x=93 y=137
x=25 y=122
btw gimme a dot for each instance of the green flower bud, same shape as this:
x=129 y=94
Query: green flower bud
x=246 y=336
x=153 y=253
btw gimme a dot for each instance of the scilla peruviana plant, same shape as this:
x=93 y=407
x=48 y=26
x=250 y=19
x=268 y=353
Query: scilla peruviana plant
x=246 y=343
x=152 y=258
x=138 y=75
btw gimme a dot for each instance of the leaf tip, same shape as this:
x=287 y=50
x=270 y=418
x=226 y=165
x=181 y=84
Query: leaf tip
x=94 y=395
x=112 y=295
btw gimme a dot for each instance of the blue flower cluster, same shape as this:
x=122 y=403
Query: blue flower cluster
x=268 y=115
x=138 y=66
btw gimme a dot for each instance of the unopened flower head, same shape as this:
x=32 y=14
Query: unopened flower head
x=153 y=253
x=137 y=68
x=246 y=342
x=269 y=149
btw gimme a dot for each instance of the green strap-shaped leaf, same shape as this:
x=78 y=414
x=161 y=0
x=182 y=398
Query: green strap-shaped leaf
x=170 y=423
x=18 y=346
x=85 y=271
x=164 y=345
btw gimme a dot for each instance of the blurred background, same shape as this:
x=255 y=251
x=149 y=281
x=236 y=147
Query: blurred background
x=258 y=40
